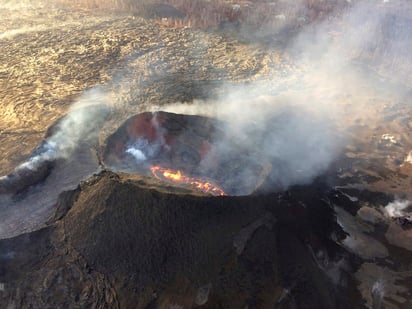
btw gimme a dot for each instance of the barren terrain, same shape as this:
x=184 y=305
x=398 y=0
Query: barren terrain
x=316 y=101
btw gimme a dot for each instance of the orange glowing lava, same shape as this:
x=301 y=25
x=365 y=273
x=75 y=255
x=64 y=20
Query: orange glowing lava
x=178 y=177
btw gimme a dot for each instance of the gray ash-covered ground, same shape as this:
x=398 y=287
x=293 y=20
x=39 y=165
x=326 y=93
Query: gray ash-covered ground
x=328 y=227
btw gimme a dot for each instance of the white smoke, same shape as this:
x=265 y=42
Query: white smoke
x=298 y=142
x=48 y=152
x=67 y=145
x=142 y=149
x=79 y=125
x=397 y=208
x=408 y=158
x=297 y=121
x=137 y=154
x=378 y=292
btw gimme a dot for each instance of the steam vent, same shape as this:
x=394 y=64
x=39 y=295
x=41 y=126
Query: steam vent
x=195 y=154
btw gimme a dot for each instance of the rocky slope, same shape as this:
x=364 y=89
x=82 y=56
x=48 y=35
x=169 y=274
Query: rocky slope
x=132 y=242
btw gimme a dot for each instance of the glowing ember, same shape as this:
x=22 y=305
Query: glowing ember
x=179 y=177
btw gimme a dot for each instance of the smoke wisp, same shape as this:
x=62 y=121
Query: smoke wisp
x=300 y=127
x=58 y=164
x=142 y=149
x=79 y=125
x=397 y=208
x=296 y=142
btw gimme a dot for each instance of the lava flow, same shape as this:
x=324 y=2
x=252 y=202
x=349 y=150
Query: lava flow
x=180 y=178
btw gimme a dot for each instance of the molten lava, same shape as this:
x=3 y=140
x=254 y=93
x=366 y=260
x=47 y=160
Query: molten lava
x=178 y=177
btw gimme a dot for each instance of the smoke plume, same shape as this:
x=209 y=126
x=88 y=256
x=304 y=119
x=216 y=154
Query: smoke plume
x=297 y=121
x=397 y=208
x=67 y=148
x=142 y=149
x=80 y=125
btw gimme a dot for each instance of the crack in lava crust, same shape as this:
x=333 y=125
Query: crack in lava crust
x=176 y=176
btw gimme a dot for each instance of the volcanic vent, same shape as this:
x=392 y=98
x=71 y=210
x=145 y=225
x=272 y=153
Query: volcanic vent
x=186 y=150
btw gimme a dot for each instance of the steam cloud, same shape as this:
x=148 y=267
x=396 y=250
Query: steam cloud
x=142 y=149
x=397 y=208
x=68 y=146
x=78 y=126
x=378 y=293
x=137 y=153
x=298 y=142
x=295 y=121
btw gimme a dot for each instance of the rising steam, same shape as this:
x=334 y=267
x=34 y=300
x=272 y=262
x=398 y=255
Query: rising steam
x=297 y=142
x=295 y=121
x=67 y=149
x=78 y=126
x=397 y=208
x=142 y=149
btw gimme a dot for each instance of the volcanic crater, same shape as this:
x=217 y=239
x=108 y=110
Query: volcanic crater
x=186 y=150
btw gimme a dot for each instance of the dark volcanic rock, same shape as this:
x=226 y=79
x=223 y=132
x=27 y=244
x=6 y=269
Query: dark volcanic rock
x=132 y=242
x=22 y=178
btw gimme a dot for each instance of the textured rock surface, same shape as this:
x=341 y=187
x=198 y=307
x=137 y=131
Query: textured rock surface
x=132 y=241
